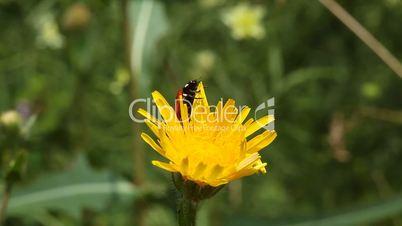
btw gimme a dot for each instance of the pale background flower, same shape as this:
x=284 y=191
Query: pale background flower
x=9 y=118
x=205 y=59
x=48 y=32
x=245 y=21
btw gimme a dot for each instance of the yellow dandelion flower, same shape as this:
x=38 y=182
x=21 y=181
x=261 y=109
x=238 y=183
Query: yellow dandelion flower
x=208 y=147
x=245 y=21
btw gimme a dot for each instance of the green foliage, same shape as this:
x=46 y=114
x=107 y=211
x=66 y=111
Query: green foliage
x=357 y=216
x=149 y=23
x=72 y=189
x=16 y=169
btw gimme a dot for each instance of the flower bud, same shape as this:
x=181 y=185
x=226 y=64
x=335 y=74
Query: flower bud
x=76 y=17
x=193 y=191
x=10 y=119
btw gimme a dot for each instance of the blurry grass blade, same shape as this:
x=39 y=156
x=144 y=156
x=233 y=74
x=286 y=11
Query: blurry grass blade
x=71 y=190
x=300 y=76
x=141 y=29
x=275 y=66
x=358 y=216
x=148 y=24
x=53 y=197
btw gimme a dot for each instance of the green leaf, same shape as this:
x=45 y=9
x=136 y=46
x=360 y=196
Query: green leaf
x=275 y=66
x=149 y=23
x=70 y=191
x=357 y=216
x=309 y=74
x=16 y=169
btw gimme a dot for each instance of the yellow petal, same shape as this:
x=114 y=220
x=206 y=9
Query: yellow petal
x=260 y=141
x=215 y=172
x=167 y=112
x=183 y=112
x=164 y=165
x=259 y=124
x=229 y=111
x=218 y=111
x=202 y=94
x=243 y=115
x=148 y=116
x=200 y=108
x=172 y=149
x=199 y=113
x=260 y=167
x=242 y=173
x=248 y=123
x=152 y=143
x=154 y=128
x=248 y=161
x=216 y=183
x=184 y=166
x=199 y=170
x=158 y=96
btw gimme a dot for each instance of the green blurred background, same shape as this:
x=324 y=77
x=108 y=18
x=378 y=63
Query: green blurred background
x=71 y=68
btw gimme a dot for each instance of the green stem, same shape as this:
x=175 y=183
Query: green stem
x=187 y=211
x=4 y=203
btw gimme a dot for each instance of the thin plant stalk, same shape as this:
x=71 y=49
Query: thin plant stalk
x=365 y=36
x=4 y=202
x=187 y=211
x=138 y=151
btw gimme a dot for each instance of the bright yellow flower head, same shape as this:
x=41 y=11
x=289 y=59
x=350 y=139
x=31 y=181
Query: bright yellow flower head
x=210 y=147
x=245 y=21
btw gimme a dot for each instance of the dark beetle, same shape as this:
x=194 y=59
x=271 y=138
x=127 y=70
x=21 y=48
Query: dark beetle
x=188 y=93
